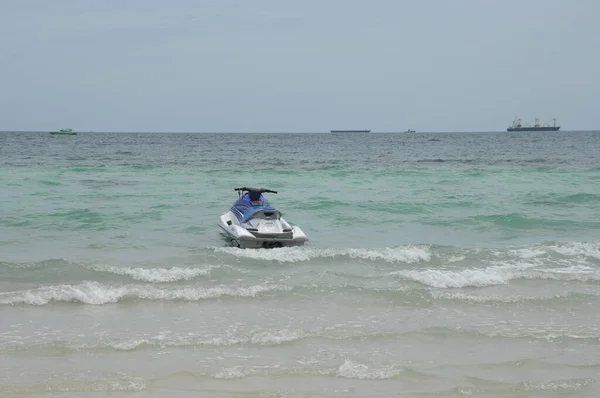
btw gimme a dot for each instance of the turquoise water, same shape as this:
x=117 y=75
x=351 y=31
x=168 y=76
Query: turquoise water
x=450 y=264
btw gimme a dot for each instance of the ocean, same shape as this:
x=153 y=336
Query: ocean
x=438 y=265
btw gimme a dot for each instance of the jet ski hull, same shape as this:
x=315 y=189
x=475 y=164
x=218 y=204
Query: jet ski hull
x=261 y=233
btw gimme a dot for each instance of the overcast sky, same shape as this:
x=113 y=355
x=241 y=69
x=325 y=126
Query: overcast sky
x=297 y=66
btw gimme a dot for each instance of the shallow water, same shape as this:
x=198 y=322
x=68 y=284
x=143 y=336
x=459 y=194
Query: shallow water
x=446 y=265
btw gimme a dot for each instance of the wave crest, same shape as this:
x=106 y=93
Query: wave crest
x=98 y=294
x=400 y=254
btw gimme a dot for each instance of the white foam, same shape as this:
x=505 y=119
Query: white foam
x=544 y=252
x=277 y=337
x=515 y=329
x=224 y=340
x=267 y=338
x=578 y=249
x=403 y=254
x=454 y=279
x=121 y=384
x=525 y=252
x=565 y=386
x=230 y=338
x=172 y=274
x=128 y=345
x=354 y=370
x=454 y=295
x=128 y=384
x=96 y=293
x=495 y=275
x=235 y=372
x=349 y=369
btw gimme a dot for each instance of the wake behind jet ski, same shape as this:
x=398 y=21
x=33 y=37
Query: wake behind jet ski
x=253 y=223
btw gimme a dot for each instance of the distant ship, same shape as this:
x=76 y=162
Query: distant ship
x=64 y=132
x=410 y=131
x=536 y=126
x=350 y=131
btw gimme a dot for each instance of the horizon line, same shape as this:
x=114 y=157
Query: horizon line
x=289 y=132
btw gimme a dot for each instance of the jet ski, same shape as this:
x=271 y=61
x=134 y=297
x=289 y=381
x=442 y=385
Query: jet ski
x=253 y=223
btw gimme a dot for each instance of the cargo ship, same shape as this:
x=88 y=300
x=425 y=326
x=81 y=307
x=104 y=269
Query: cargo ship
x=536 y=126
x=350 y=131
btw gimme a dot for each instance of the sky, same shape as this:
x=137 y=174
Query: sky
x=297 y=66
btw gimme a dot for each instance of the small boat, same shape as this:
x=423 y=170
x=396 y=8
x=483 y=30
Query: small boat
x=64 y=132
x=410 y=131
x=252 y=223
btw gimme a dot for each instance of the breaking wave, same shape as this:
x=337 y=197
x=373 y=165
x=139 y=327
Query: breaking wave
x=97 y=294
x=403 y=254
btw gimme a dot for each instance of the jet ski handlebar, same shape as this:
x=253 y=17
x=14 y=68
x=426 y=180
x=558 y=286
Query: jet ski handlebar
x=257 y=190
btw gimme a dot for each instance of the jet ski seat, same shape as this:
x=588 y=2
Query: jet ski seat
x=254 y=195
